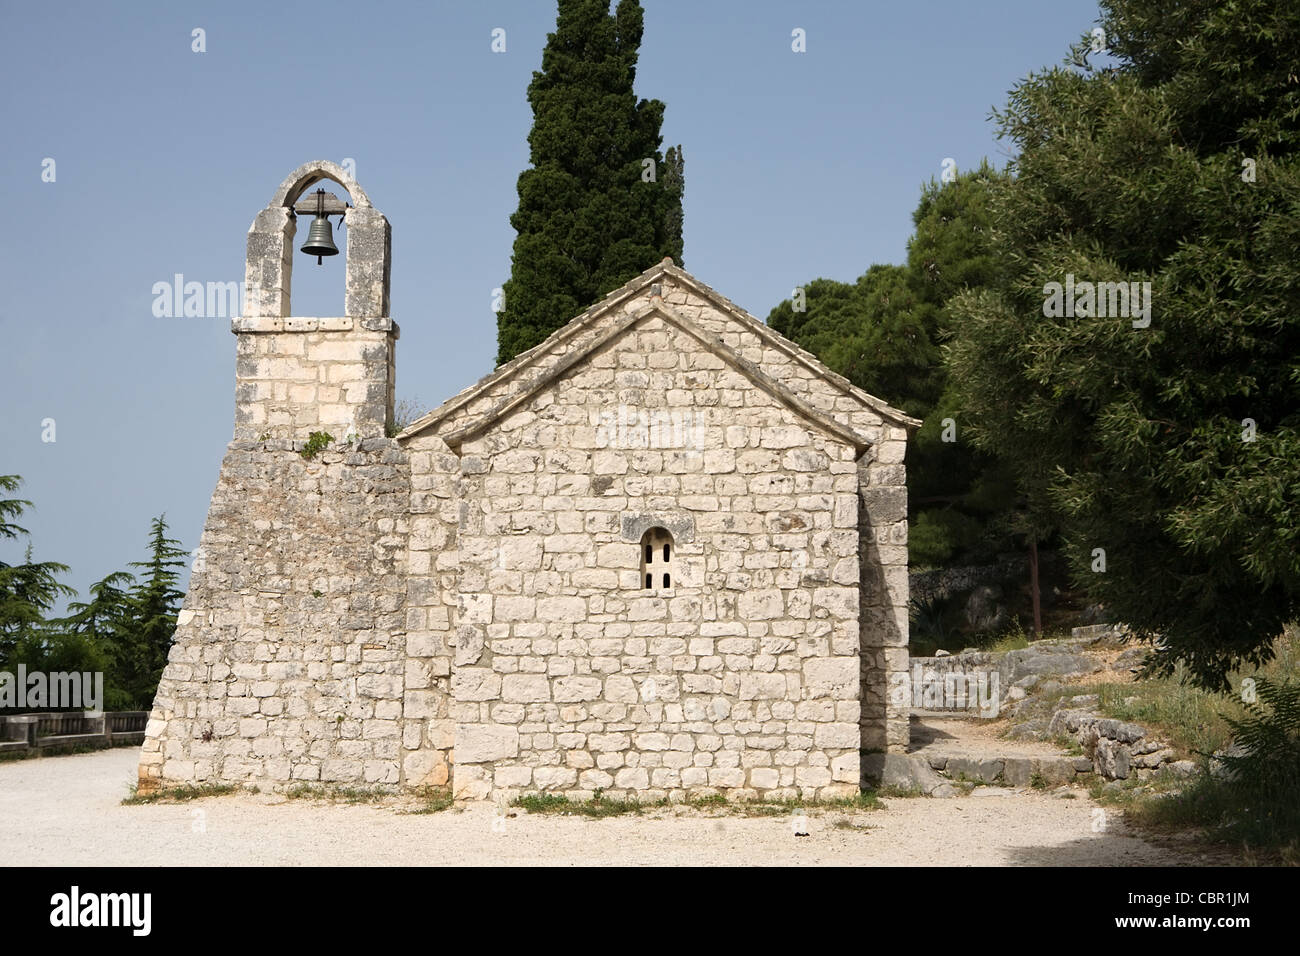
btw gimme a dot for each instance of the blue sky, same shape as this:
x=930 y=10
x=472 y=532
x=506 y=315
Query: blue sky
x=798 y=165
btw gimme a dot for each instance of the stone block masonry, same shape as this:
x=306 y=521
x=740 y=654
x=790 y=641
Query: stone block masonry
x=297 y=376
x=290 y=653
x=742 y=677
x=663 y=553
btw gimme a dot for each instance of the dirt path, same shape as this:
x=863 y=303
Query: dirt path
x=975 y=738
x=67 y=811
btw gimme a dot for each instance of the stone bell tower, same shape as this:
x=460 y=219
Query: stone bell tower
x=297 y=375
x=289 y=658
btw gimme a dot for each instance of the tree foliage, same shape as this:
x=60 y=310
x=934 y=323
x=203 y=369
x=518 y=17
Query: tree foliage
x=592 y=212
x=124 y=630
x=1170 y=452
x=105 y=628
x=28 y=590
x=883 y=333
x=154 y=603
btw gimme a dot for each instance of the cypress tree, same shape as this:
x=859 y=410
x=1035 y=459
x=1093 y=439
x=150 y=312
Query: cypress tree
x=600 y=202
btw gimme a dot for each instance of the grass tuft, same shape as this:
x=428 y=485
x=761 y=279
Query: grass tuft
x=178 y=794
x=433 y=801
x=597 y=807
x=601 y=806
x=307 y=791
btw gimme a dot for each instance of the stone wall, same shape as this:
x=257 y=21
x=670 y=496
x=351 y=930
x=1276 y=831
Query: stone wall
x=950 y=683
x=882 y=506
x=290 y=653
x=882 y=542
x=432 y=579
x=467 y=606
x=570 y=676
x=294 y=376
x=881 y=475
x=945 y=582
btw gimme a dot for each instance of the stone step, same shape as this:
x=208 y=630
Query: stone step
x=1012 y=771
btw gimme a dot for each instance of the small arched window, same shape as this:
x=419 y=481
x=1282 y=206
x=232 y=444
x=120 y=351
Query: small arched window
x=657 y=559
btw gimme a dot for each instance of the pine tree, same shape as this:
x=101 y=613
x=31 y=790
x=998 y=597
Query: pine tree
x=99 y=633
x=11 y=508
x=103 y=618
x=154 y=603
x=27 y=591
x=600 y=203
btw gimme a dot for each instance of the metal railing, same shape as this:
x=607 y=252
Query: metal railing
x=40 y=733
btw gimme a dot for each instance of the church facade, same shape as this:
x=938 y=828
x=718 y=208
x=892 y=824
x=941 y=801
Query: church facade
x=662 y=553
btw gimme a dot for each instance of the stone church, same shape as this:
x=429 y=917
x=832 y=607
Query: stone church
x=662 y=553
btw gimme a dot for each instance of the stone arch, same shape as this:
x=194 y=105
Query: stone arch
x=657 y=552
x=268 y=270
x=680 y=526
x=309 y=174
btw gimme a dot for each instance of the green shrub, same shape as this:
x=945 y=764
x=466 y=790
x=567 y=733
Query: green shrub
x=932 y=625
x=317 y=442
x=1256 y=803
x=1269 y=737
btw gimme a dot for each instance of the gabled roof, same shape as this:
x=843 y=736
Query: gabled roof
x=631 y=290
x=657 y=308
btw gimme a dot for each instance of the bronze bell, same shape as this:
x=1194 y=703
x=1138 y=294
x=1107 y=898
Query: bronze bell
x=320 y=239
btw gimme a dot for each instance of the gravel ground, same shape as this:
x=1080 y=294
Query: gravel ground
x=67 y=811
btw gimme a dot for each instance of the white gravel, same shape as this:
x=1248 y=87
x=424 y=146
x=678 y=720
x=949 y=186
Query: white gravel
x=68 y=811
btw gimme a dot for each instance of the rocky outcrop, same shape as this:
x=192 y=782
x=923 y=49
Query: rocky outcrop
x=1118 y=749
